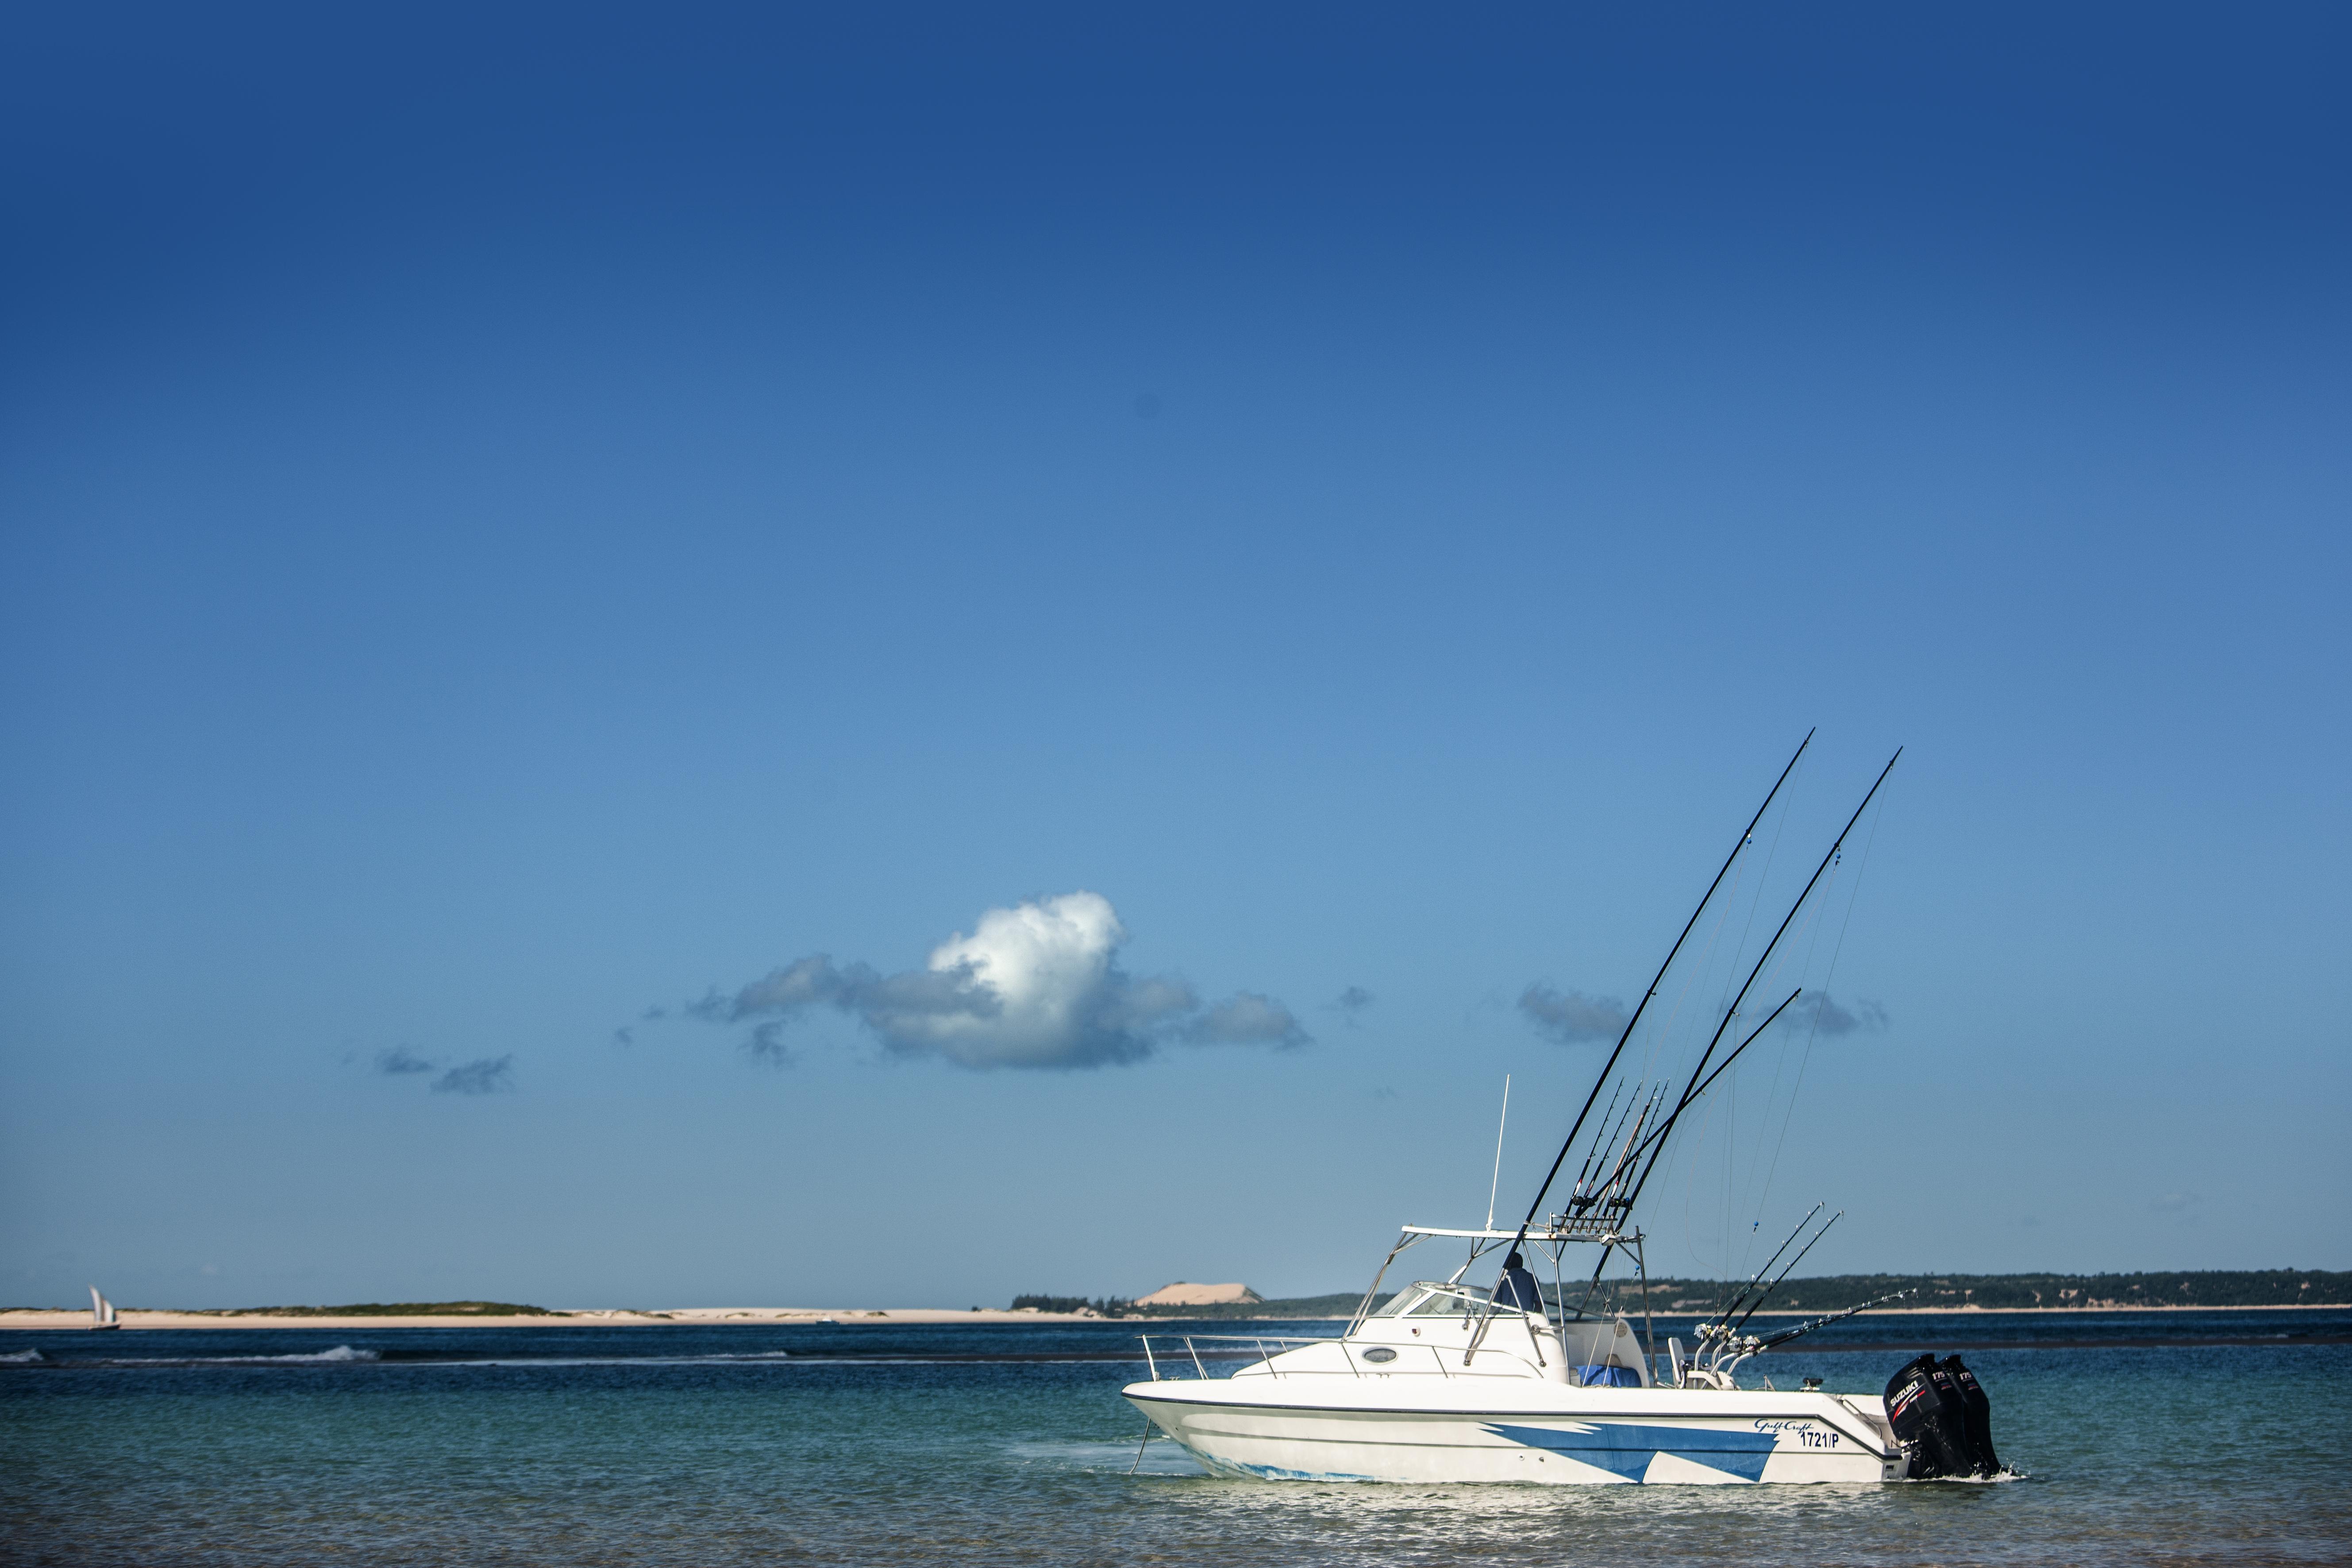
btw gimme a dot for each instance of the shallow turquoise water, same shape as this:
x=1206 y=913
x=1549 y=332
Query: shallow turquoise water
x=703 y=1445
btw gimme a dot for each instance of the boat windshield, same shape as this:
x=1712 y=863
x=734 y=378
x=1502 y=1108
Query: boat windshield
x=1425 y=1299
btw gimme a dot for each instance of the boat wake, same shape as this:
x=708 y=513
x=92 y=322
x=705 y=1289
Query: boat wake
x=338 y=1355
x=1161 y=1459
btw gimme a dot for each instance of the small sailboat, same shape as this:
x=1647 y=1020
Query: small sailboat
x=101 y=1312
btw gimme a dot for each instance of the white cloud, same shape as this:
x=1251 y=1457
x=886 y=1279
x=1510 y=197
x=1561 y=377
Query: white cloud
x=1036 y=985
x=1048 y=966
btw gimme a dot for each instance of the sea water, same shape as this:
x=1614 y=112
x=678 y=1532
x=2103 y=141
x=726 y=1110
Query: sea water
x=2151 y=1439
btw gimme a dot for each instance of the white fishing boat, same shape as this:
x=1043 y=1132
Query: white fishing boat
x=101 y=1312
x=1441 y=1383
x=1447 y=1380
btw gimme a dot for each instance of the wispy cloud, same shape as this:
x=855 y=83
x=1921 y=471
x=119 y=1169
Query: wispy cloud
x=1246 y=1018
x=1036 y=985
x=488 y=1076
x=766 y=1044
x=2175 y=1203
x=626 y=1035
x=1351 y=1005
x=1570 y=1016
x=1820 y=1012
x=399 y=1061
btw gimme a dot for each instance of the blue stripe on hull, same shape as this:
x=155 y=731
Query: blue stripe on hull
x=1626 y=1450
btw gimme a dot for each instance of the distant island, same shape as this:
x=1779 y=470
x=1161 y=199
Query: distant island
x=1183 y=1299
x=398 y=1310
x=1829 y=1293
x=1680 y=1298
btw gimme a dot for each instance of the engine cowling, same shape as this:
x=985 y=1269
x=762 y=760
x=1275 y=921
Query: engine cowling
x=1976 y=1418
x=1929 y=1415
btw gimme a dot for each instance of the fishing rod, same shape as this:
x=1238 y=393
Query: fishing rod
x=1636 y=1114
x=1792 y=1263
x=1616 y=1167
x=1731 y=1351
x=1762 y=960
x=1741 y=1294
x=1746 y=834
x=1633 y=1150
x=1567 y=1144
x=1785 y=1336
x=1655 y=1143
x=1590 y=1155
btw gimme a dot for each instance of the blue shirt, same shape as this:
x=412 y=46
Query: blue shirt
x=1518 y=1289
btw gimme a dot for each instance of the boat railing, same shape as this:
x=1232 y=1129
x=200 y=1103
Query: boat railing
x=1352 y=1352
x=1192 y=1342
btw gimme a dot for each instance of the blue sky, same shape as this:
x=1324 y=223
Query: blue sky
x=517 y=520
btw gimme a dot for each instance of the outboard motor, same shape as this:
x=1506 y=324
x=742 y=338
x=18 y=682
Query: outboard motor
x=1978 y=1413
x=1929 y=1415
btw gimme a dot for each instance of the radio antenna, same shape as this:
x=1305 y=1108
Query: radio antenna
x=1496 y=1184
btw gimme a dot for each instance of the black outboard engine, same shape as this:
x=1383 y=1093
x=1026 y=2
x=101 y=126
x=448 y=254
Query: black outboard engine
x=1978 y=1412
x=1929 y=1415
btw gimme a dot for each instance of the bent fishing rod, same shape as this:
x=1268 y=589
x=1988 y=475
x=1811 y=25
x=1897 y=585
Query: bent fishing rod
x=1756 y=1305
x=1724 y=1066
x=1741 y=1294
x=1656 y=1142
x=1568 y=1143
x=1691 y=1092
x=1768 y=1340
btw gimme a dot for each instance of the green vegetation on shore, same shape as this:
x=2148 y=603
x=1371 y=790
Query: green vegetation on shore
x=2010 y=1293
x=1836 y=1293
x=1107 y=1306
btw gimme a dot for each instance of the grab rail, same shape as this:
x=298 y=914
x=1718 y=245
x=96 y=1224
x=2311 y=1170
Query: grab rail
x=1257 y=1341
x=1282 y=1343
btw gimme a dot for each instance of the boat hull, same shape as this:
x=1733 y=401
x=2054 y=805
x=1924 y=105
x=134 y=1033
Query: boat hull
x=1372 y=1430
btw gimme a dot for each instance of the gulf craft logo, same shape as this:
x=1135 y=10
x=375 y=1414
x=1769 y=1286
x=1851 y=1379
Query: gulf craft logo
x=1804 y=1432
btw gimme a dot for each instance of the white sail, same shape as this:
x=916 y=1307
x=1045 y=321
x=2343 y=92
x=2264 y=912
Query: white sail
x=101 y=1310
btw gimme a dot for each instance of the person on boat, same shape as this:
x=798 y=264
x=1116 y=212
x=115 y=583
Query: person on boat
x=1518 y=1288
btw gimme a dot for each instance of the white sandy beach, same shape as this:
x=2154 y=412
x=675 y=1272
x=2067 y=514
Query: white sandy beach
x=579 y=1318
x=53 y=1321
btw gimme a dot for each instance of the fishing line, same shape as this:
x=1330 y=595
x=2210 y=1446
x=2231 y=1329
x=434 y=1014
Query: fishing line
x=1722 y=1004
x=1731 y=1011
x=1810 y=939
x=1688 y=1181
x=1723 y=1001
x=1730 y=1161
x=1851 y=899
x=1660 y=1036
x=1659 y=1041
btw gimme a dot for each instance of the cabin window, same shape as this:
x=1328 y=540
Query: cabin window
x=1380 y=1353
